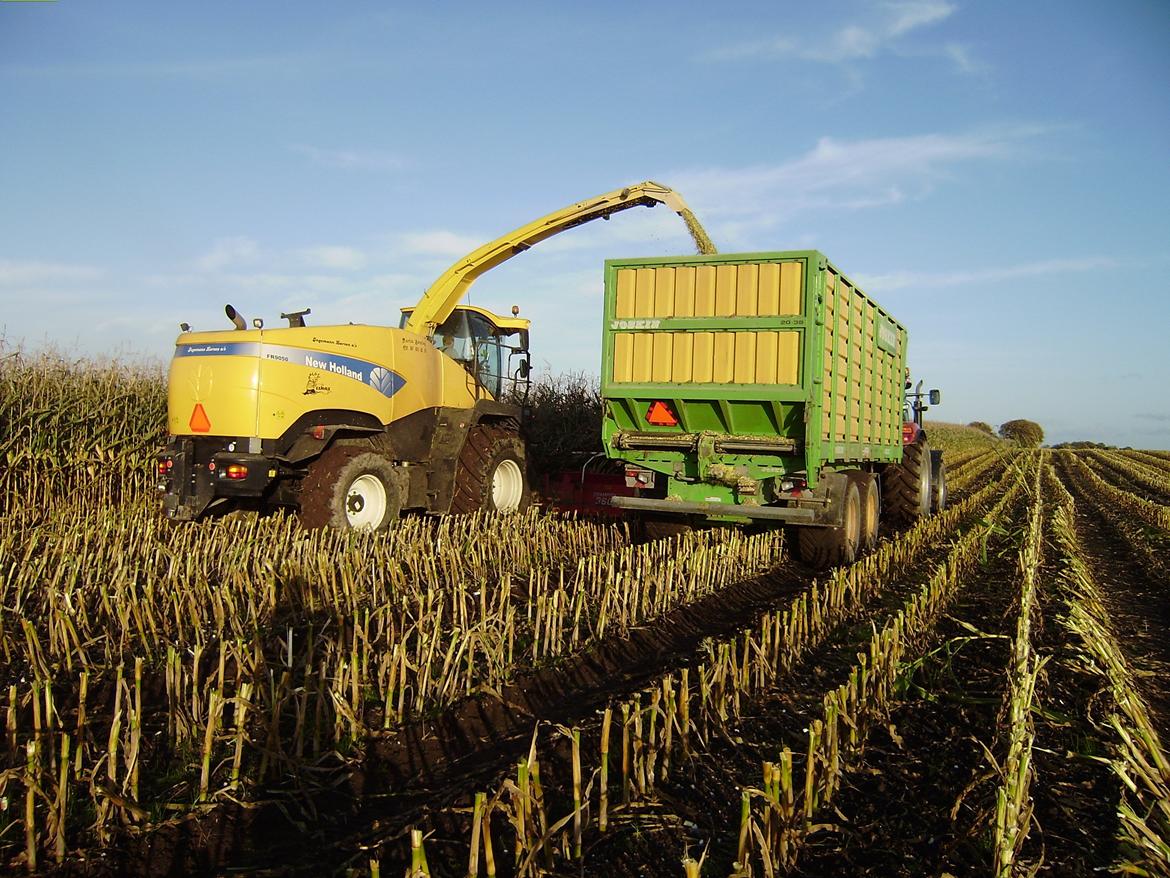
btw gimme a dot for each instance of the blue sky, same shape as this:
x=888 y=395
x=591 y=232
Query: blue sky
x=996 y=174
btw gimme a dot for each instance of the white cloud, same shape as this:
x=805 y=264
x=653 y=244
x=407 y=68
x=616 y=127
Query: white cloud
x=15 y=273
x=351 y=159
x=928 y=280
x=438 y=242
x=333 y=256
x=856 y=41
x=227 y=252
x=840 y=175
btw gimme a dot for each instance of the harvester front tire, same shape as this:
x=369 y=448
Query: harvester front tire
x=938 y=483
x=350 y=489
x=871 y=509
x=906 y=486
x=492 y=473
x=823 y=547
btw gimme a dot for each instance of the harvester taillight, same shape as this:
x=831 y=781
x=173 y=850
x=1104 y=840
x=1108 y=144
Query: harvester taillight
x=234 y=471
x=165 y=465
x=660 y=415
x=199 y=422
x=317 y=432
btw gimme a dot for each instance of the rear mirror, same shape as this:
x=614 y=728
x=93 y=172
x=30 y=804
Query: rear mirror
x=935 y=397
x=524 y=369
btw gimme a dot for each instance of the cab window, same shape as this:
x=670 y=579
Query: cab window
x=473 y=341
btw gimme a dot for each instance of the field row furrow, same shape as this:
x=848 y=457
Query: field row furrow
x=1141 y=764
x=1153 y=483
x=1155 y=514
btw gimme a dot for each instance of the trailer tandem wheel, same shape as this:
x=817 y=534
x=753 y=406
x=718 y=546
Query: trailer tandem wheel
x=871 y=508
x=833 y=546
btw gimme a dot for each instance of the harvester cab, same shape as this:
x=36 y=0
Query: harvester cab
x=491 y=348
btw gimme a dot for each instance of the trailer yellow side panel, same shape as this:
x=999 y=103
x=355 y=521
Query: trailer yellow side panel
x=861 y=394
x=645 y=297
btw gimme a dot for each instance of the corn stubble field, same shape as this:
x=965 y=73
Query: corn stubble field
x=983 y=694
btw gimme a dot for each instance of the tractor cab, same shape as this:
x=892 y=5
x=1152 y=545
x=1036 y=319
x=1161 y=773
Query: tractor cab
x=493 y=349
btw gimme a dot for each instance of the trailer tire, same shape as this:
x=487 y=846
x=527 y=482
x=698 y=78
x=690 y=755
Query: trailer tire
x=938 y=483
x=871 y=509
x=906 y=486
x=350 y=489
x=492 y=472
x=823 y=547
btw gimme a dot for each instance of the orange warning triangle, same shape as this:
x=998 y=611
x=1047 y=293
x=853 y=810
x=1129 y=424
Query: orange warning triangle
x=660 y=415
x=199 y=422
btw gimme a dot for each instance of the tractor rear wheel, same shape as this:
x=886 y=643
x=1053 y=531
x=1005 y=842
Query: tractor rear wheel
x=350 y=489
x=871 y=509
x=938 y=483
x=492 y=472
x=832 y=546
x=906 y=486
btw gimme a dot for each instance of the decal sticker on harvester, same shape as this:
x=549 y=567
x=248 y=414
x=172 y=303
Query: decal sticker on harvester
x=386 y=381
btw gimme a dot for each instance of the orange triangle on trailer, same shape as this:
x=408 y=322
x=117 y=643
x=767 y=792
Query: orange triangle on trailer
x=199 y=422
x=660 y=415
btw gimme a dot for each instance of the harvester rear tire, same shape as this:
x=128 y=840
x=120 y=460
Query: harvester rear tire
x=906 y=486
x=871 y=509
x=492 y=472
x=938 y=483
x=350 y=489
x=823 y=547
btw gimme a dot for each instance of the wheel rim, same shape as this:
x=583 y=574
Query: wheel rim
x=507 y=486
x=924 y=486
x=871 y=518
x=942 y=493
x=851 y=538
x=365 y=503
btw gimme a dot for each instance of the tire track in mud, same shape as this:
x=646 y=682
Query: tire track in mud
x=919 y=801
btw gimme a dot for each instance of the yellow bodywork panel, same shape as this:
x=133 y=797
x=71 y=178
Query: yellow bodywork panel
x=696 y=357
x=257 y=383
x=861 y=387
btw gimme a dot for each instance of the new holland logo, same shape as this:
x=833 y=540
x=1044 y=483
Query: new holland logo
x=384 y=381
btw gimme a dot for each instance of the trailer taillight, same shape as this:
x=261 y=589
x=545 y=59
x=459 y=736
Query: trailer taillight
x=234 y=471
x=909 y=433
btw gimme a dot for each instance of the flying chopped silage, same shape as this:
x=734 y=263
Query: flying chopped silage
x=702 y=241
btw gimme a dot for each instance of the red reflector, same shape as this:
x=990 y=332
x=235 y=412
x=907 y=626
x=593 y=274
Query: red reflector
x=236 y=471
x=660 y=415
x=199 y=422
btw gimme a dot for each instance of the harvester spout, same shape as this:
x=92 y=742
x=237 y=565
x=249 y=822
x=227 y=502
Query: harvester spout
x=452 y=285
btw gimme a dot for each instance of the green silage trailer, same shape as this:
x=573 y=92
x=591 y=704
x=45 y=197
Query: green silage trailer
x=763 y=386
